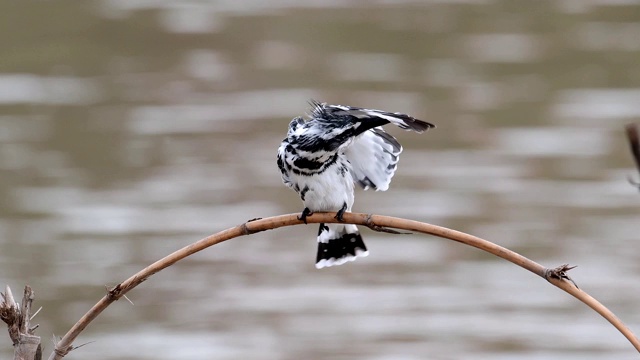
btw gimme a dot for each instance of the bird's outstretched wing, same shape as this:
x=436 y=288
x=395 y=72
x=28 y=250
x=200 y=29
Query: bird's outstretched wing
x=406 y=122
x=374 y=159
x=373 y=154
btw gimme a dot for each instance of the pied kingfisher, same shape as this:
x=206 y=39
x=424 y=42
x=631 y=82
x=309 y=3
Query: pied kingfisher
x=321 y=159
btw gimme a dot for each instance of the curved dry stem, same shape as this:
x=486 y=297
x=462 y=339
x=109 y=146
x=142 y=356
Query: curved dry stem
x=555 y=276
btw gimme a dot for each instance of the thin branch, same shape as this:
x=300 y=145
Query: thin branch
x=36 y=313
x=556 y=276
x=634 y=143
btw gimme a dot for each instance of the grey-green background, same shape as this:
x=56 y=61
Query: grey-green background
x=129 y=129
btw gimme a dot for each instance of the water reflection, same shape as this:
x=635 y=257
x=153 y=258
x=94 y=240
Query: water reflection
x=131 y=128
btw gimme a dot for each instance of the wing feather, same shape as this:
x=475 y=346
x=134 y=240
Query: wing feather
x=374 y=158
x=404 y=121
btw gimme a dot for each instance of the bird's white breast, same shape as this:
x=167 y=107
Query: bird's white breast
x=329 y=190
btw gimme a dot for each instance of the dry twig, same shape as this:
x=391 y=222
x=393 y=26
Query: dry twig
x=556 y=276
x=26 y=346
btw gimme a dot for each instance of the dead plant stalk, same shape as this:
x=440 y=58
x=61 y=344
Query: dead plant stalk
x=556 y=276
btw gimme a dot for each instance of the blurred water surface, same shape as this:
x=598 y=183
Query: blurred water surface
x=129 y=129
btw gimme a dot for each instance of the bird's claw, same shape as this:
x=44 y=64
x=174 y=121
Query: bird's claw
x=340 y=213
x=306 y=212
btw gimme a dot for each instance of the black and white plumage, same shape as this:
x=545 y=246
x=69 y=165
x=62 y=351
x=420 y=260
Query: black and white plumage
x=323 y=157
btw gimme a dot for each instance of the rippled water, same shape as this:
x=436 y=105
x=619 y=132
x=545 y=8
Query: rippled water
x=129 y=129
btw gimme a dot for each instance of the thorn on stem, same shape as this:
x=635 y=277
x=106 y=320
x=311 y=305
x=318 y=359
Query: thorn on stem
x=115 y=292
x=560 y=273
x=126 y=298
x=79 y=346
x=36 y=313
x=371 y=225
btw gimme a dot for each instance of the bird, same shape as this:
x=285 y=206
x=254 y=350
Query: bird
x=324 y=156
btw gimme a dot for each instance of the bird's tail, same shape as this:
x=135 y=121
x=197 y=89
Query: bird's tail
x=339 y=243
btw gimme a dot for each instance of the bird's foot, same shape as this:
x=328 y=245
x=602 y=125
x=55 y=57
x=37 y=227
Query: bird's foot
x=341 y=212
x=306 y=212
